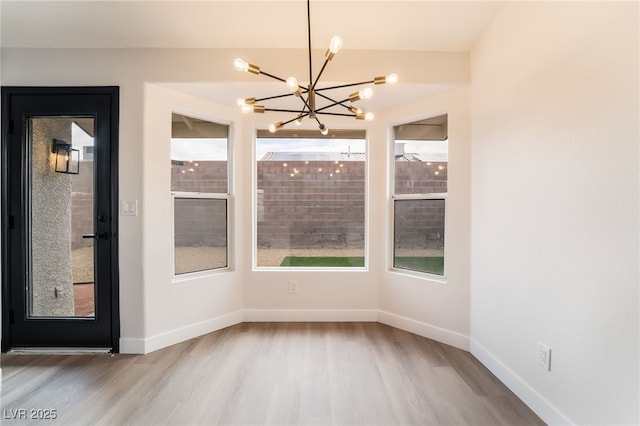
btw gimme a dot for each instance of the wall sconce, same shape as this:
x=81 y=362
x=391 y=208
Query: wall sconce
x=67 y=158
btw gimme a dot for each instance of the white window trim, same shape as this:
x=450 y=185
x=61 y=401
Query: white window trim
x=442 y=279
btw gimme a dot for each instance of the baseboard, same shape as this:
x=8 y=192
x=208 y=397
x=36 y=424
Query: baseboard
x=131 y=346
x=429 y=331
x=153 y=343
x=163 y=340
x=534 y=400
x=310 y=315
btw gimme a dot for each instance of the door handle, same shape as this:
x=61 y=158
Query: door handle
x=99 y=235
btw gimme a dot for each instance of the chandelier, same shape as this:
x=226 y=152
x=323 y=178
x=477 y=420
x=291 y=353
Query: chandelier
x=309 y=94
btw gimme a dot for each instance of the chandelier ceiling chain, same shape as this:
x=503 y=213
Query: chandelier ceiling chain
x=307 y=95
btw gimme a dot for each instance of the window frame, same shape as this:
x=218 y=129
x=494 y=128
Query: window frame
x=254 y=208
x=393 y=197
x=227 y=196
x=408 y=197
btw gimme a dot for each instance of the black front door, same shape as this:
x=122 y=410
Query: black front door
x=59 y=218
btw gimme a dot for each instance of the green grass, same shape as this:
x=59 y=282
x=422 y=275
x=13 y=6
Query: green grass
x=324 y=261
x=434 y=265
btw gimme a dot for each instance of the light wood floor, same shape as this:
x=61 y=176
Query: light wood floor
x=268 y=373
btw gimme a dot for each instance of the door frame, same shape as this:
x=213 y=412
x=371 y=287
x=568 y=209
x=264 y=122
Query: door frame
x=7 y=222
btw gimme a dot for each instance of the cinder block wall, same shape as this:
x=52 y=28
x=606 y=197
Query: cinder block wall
x=82 y=206
x=200 y=176
x=200 y=222
x=314 y=204
x=81 y=219
x=321 y=205
x=420 y=177
x=420 y=223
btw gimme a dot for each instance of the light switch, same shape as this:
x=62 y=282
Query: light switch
x=129 y=208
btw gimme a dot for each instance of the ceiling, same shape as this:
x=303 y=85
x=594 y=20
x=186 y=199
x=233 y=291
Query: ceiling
x=385 y=25
x=410 y=25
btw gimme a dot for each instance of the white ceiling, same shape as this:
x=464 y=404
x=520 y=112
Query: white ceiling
x=363 y=24
x=374 y=24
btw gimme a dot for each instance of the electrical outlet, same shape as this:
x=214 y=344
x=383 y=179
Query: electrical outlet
x=293 y=286
x=544 y=356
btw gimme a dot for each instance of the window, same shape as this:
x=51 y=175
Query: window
x=420 y=195
x=200 y=193
x=310 y=199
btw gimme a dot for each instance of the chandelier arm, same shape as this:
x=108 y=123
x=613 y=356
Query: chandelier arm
x=295 y=111
x=275 y=97
x=332 y=105
x=336 y=113
x=345 y=85
x=284 y=123
x=309 y=39
x=326 y=61
x=341 y=103
x=275 y=77
x=306 y=104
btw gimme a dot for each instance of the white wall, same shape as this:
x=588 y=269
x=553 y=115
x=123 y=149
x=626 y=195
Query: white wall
x=190 y=306
x=434 y=308
x=322 y=295
x=156 y=312
x=439 y=311
x=555 y=206
x=146 y=295
x=75 y=67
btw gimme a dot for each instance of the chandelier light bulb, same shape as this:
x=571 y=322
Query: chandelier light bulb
x=292 y=84
x=323 y=130
x=335 y=44
x=363 y=94
x=274 y=127
x=392 y=78
x=369 y=116
x=246 y=101
x=298 y=121
x=240 y=65
x=246 y=109
x=366 y=93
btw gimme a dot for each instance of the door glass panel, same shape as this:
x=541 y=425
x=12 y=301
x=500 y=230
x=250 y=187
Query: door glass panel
x=62 y=231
